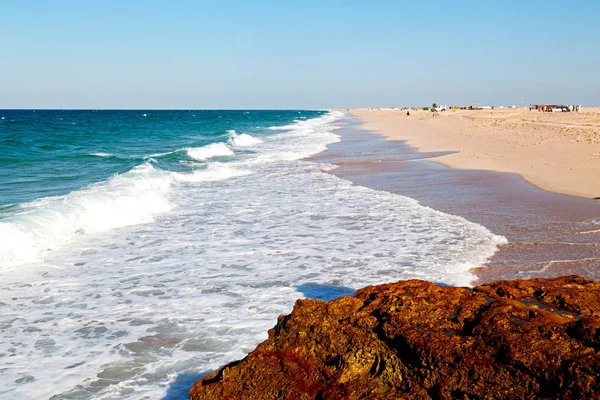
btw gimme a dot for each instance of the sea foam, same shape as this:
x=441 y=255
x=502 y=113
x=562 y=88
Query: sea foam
x=210 y=151
x=35 y=228
x=243 y=140
x=214 y=172
x=244 y=238
x=102 y=154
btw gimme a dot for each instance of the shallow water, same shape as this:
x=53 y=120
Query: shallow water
x=141 y=309
x=550 y=234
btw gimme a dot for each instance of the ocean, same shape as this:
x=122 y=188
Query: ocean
x=140 y=250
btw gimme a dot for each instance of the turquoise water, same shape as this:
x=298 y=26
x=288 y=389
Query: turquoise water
x=141 y=249
x=53 y=152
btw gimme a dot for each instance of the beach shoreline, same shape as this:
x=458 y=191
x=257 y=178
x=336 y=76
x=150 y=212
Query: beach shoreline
x=549 y=234
x=558 y=152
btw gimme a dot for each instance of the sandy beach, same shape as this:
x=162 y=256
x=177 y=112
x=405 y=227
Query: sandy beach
x=559 y=152
x=549 y=234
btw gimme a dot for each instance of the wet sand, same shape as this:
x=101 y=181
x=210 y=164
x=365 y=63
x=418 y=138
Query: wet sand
x=549 y=234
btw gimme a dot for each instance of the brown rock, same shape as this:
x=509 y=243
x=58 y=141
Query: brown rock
x=536 y=338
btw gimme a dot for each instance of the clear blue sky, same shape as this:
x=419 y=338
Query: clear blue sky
x=297 y=54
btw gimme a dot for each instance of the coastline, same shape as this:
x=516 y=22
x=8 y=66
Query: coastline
x=559 y=152
x=416 y=340
x=547 y=231
x=549 y=234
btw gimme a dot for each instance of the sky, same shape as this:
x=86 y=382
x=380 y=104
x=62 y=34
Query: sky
x=297 y=54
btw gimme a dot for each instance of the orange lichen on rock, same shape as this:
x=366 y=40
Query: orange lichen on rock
x=417 y=340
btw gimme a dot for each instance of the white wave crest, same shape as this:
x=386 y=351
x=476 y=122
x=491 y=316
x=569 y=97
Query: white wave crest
x=135 y=197
x=214 y=172
x=210 y=151
x=281 y=128
x=37 y=227
x=303 y=138
x=151 y=156
x=243 y=140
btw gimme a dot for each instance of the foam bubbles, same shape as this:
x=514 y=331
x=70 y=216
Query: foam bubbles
x=126 y=312
x=214 y=172
x=35 y=228
x=210 y=151
x=101 y=154
x=244 y=140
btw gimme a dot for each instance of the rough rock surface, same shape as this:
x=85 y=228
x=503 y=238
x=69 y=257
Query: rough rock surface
x=535 y=338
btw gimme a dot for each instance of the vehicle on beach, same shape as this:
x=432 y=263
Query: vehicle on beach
x=555 y=107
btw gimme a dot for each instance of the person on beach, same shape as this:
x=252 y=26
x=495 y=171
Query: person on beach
x=408 y=113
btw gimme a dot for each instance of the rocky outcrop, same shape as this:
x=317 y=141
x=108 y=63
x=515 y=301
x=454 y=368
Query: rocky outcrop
x=535 y=338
